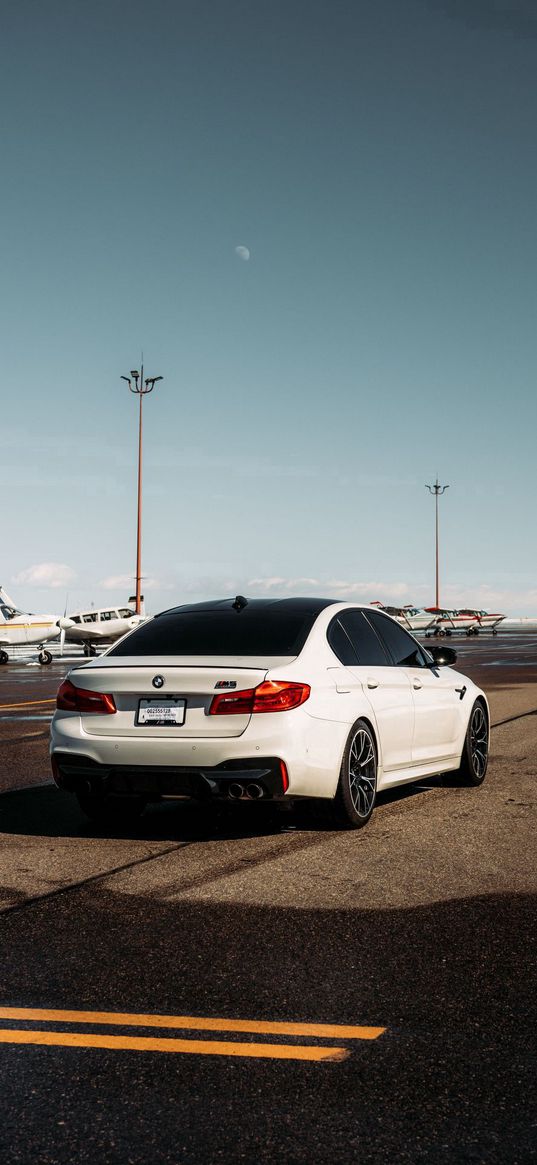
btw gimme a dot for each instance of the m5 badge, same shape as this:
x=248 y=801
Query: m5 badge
x=226 y=684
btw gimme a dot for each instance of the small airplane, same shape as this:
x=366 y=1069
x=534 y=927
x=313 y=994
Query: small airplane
x=21 y=629
x=100 y=625
x=466 y=619
x=448 y=621
x=486 y=621
x=413 y=618
x=469 y=620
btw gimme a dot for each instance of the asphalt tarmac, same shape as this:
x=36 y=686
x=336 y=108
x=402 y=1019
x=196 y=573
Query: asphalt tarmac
x=246 y=987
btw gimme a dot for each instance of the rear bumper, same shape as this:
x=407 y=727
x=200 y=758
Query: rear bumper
x=262 y=778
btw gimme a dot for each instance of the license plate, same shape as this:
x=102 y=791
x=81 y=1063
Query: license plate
x=161 y=712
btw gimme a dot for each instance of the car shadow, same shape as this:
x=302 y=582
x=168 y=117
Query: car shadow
x=46 y=811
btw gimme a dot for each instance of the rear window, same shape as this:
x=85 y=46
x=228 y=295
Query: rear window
x=216 y=633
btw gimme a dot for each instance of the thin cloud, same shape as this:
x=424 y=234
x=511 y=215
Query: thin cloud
x=365 y=591
x=488 y=598
x=283 y=584
x=336 y=588
x=55 y=575
x=126 y=582
x=196 y=587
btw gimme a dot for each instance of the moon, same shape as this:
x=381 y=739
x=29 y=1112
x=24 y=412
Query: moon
x=242 y=253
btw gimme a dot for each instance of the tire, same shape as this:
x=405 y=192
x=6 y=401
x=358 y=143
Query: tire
x=45 y=657
x=4 y=657
x=357 y=787
x=474 y=759
x=103 y=809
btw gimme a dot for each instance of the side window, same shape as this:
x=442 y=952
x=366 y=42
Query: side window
x=404 y=650
x=341 y=644
x=367 y=645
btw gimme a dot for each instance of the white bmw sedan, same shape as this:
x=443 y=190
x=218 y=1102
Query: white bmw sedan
x=265 y=699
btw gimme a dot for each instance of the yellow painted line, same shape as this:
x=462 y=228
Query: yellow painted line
x=196 y=1022
x=28 y=704
x=154 y=1044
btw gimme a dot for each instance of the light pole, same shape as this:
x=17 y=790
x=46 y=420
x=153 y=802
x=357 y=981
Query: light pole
x=437 y=490
x=141 y=388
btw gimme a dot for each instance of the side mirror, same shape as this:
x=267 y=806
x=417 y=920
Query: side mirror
x=443 y=656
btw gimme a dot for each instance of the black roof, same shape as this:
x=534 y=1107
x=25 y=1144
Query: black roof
x=305 y=606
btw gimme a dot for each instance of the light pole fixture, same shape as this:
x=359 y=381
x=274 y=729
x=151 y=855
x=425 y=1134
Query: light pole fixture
x=437 y=490
x=141 y=388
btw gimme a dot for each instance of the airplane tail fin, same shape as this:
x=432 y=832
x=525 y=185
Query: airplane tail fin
x=4 y=598
x=132 y=603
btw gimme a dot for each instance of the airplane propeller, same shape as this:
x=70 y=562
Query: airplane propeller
x=64 y=624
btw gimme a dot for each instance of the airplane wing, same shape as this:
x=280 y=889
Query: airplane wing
x=101 y=632
x=87 y=631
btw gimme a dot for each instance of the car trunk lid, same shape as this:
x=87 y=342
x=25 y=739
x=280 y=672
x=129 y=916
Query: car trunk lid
x=181 y=688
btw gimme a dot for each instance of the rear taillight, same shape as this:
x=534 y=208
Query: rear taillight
x=280 y=696
x=271 y=696
x=72 y=699
x=233 y=703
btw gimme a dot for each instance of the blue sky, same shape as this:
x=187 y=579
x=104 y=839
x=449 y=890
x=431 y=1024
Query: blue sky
x=377 y=158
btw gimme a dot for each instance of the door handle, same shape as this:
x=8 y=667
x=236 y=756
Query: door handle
x=417 y=684
x=372 y=683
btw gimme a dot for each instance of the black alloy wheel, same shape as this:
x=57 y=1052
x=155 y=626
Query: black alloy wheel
x=357 y=787
x=475 y=753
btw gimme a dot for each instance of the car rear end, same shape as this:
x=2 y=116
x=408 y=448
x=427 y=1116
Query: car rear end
x=200 y=702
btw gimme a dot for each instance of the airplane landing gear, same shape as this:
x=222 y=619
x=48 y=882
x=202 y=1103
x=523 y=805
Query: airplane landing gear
x=90 y=649
x=44 y=656
x=4 y=657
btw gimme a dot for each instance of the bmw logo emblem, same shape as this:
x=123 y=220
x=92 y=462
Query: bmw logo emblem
x=158 y=681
